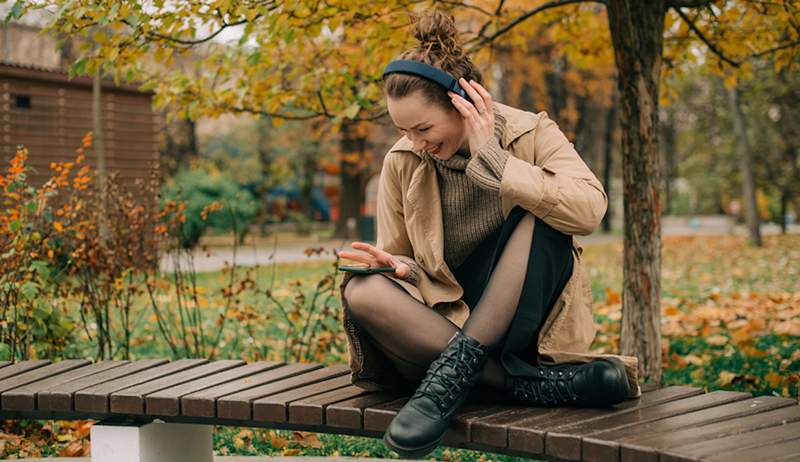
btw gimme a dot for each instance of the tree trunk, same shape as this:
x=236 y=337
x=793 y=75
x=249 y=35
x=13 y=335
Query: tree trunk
x=637 y=34
x=98 y=143
x=611 y=119
x=350 y=177
x=670 y=158
x=744 y=153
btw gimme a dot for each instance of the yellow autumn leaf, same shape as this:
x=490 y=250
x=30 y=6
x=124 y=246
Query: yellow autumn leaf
x=717 y=340
x=726 y=378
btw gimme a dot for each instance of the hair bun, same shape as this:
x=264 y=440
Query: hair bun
x=435 y=28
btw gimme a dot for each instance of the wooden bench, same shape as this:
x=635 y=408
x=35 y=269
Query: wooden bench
x=158 y=404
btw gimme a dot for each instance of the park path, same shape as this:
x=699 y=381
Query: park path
x=214 y=258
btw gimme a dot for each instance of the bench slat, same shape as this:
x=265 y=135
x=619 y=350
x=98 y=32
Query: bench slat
x=311 y=410
x=4 y=364
x=21 y=367
x=785 y=451
x=461 y=425
x=565 y=441
x=96 y=398
x=167 y=401
x=24 y=398
x=274 y=408
x=350 y=413
x=731 y=445
x=239 y=405
x=493 y=430
x=41 y=373
x=204 y=403
x=59 y=397
x=379 y=417
x=132 y=400
x=606 y=445
x=651 y=444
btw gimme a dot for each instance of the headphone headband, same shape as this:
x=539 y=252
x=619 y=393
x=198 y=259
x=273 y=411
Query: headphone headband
x=426 y=71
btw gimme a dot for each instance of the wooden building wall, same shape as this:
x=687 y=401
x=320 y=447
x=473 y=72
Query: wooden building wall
x=50 y=114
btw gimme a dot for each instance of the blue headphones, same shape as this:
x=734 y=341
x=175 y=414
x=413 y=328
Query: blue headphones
x=426 y=71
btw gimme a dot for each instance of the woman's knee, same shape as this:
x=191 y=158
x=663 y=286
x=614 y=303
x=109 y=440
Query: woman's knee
x=360 y=293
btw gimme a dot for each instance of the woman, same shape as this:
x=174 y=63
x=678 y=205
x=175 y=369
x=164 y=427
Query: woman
x=477 y=206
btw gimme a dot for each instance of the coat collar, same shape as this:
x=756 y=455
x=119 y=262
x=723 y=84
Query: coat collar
x=516 y=123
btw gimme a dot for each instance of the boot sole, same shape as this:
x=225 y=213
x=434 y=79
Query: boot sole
x=410 y=453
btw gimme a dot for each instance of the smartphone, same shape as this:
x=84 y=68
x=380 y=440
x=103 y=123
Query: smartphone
x=366 y=270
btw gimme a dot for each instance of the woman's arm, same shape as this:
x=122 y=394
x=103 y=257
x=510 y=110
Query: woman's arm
x=558 y=187
x=392 y=235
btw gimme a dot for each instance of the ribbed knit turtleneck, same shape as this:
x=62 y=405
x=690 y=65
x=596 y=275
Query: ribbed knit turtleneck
x=469 y=188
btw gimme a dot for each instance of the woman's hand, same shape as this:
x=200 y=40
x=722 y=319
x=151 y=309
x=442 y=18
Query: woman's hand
x=479 y=117
x=375 y=258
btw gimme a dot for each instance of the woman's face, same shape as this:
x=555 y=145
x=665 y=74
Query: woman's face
x=427 y=125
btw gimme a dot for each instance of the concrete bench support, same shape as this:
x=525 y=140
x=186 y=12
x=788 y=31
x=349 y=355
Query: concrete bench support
x=151 y=442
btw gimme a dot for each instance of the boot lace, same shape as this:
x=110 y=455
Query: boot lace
x=549 y=387
x=449 y=374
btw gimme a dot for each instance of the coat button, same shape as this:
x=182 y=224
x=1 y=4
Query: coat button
x=421 y=261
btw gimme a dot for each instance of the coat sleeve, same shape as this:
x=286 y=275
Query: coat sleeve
x=557 y=186
x=392 y=234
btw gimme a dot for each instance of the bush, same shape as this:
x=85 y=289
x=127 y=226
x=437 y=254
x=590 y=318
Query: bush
x=213 y=201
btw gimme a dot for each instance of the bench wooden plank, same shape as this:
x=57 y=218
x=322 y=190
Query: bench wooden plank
x=21 y=367
x=785 y=451
x=96 y=398
x=24 y=398
x=274 y=408
x=239 y=405
x=60 y=397
x=132 y=400
x=379 y=417
x=4 y=364
x=606 y=445
x=350 y=413
x=461 y=426
x=41 y=373
x=646 y=447
x=730 y=445
x=311 y=410
x=565 y=441
x=493 y=430
x=204 y=403
x=167 y=401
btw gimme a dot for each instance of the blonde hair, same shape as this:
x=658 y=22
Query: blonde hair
x=438 y=46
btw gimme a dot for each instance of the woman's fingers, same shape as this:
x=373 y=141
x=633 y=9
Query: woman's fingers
x=359 y=257
x=477 y=98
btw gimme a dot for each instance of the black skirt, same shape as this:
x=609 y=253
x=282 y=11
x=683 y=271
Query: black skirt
x=549 y=268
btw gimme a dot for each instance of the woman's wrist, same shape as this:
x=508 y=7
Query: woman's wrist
x=486 y=166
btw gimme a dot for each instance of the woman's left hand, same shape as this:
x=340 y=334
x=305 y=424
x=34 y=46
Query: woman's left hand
x=479 y=118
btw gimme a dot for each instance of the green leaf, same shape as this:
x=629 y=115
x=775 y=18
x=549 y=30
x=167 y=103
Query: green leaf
x=15 y=12
x=77 y=68
x=29 y=290
x=5 y=352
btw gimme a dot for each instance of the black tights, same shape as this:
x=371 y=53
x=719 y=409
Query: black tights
x=413 y=335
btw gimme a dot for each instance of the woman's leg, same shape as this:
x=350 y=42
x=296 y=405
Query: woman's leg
x=410 y=333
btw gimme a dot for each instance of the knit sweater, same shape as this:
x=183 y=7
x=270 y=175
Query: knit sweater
x=469 y=186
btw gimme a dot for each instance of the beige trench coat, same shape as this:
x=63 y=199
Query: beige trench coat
x=544 y=175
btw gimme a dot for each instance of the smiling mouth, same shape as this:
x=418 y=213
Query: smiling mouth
x=436 y=149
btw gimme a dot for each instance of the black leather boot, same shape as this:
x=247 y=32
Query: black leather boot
x=419 y=426
x=599 y=383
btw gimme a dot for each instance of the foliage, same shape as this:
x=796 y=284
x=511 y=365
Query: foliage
x=211 y=200
x=35 y=249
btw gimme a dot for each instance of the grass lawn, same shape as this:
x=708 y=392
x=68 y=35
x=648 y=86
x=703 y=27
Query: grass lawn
x=730 y=320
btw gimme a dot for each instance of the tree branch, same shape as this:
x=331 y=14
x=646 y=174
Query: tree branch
x=521 y=18
x=705 y=40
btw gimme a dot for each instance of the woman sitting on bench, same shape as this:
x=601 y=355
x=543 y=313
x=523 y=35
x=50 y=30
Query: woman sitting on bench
x=477 y=206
